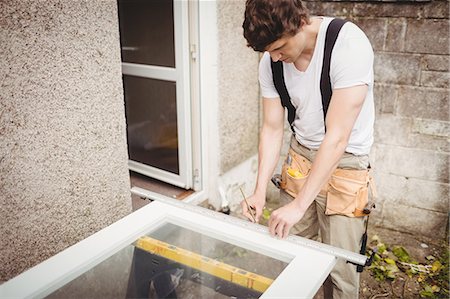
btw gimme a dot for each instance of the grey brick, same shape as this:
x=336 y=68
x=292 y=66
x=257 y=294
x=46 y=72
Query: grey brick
x=377 y=102
x=414 y=220
x=388 y=10
x=416 y=193
x=436 y=63
x=431 y=103
x=375 y=29
x=390 y=187
x=397 y=68
x=432 y=127
x=427 y=36
x=386 y=97
x=320 y=8
x=376 y=216
x=412 y=163
x=435 y=79
x=405 y=132
x=392 y=130
x=436 y=10
x=439 y=144
x=424 y=9
x=395 y=37
x=427 y=194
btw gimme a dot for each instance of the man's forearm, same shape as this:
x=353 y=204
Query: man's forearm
x=344 y=109
x=269 y=152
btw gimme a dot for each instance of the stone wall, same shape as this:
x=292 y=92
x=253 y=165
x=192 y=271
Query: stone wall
x=63 y=153
x=411 y=150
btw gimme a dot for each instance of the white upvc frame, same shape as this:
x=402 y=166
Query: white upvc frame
x=209 y=87
x=198 y=119
x=179 y=75
x=309 y=261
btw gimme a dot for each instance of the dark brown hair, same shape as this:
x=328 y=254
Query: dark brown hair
x=266 y=21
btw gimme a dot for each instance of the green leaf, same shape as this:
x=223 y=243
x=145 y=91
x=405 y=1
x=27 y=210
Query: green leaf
x=389 y=261
x=391 y=270
x=427 y=292
x=436 y=266
x=390 y=275
x=266 y=214
x=410 y=273
x=378 y=274
x=435 y=288
x=381 y=248
x=401 y=253
x=376 y=257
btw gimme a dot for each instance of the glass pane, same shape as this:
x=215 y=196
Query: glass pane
x=175 y=262
x=151 y=112
x=218 y=250
x=147 y=32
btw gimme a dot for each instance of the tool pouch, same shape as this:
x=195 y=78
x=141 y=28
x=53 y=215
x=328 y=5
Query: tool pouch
x=293 y=184
x=347 y=191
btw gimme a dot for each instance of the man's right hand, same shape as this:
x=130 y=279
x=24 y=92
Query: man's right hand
x=257 y=202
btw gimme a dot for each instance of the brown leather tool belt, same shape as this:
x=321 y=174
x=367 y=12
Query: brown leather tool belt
x=347 y=191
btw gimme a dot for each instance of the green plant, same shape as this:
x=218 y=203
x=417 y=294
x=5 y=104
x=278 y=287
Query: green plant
x=391 y=262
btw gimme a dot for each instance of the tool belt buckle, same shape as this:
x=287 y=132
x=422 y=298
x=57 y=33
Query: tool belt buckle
x=276 y=180
x=369 y=207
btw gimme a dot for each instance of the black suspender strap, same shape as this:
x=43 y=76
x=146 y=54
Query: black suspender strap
x=325 y=85
x=278 y=80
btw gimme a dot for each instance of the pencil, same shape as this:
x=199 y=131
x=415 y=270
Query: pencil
x=249 y=208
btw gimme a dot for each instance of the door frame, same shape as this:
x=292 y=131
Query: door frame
x=181 y=76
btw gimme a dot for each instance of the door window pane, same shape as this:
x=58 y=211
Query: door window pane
x=151 y=112
x=147 y=32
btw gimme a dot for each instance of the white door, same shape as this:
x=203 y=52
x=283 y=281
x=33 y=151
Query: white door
x=155 y=67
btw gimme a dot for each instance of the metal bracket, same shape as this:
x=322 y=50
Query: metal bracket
x=276 y=180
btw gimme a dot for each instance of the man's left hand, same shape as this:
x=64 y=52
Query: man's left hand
x=284 y=218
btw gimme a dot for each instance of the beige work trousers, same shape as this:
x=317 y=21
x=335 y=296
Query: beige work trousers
x=336 y=230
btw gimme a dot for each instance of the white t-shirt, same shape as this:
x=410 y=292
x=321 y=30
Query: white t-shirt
x=351 y=65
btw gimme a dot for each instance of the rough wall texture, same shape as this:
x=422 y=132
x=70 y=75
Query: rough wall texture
x=238 y=88
x=63 y=154
x=411 y=150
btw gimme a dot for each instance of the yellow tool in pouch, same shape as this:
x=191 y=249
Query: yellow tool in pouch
x=294 y=173
x=347 y=191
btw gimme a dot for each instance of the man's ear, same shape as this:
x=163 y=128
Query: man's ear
x=304 y=22
x=302 y=25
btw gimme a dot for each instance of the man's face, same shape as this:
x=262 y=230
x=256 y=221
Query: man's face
x=288 y=48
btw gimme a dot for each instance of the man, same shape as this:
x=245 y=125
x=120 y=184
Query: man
x=283 y=30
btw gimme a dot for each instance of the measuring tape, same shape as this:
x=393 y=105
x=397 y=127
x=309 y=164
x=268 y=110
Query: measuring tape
x=354 y=258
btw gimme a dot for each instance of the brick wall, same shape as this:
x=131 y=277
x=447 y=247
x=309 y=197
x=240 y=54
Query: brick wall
x=411 y=150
